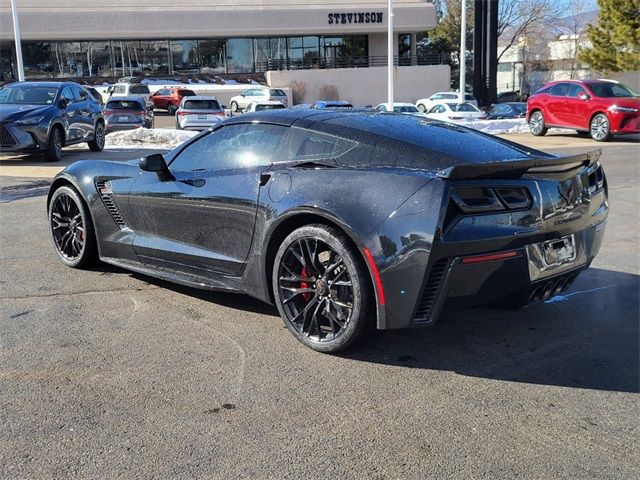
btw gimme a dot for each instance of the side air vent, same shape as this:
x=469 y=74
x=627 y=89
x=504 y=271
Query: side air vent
x=430 y=291
x=6 y=138
x=104 y=189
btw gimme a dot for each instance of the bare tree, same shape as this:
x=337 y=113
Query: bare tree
x=516 y=18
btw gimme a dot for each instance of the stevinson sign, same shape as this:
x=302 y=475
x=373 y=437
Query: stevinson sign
x=351 y=18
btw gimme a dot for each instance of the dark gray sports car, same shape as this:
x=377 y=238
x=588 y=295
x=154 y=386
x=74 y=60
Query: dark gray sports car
x=342 y=220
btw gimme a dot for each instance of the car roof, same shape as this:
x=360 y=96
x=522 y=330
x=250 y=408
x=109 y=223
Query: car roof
x=127 y=98
x=201 y=97
x=397 y=130
x=43 y=84
x=398 y=104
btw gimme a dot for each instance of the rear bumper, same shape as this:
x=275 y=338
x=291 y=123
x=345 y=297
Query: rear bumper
x=194 y=124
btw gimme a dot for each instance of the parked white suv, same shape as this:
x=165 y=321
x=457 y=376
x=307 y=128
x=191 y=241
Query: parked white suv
x=128 y=90
x=258 y=94
x=425 y=104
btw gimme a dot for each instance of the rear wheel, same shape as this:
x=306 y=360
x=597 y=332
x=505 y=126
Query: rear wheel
x=71 y=228
x=171 y=109
x=53 y=153
x=599 y=128
x=422 y=108
x=97 y=144
x=234 y=107
x=536 y=124
x=321 y=288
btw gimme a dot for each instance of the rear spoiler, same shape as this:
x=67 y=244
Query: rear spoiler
x=517 y=168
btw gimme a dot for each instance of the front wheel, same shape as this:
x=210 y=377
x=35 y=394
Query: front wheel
x=600 y=129
x=536 y=124
x=97 y=144
x=321 y=288
x=172 y=109
x=71 y=228
x=53 y=153
x=422 y=108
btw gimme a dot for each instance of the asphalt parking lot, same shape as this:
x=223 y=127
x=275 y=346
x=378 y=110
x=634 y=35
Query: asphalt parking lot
x=109 y=374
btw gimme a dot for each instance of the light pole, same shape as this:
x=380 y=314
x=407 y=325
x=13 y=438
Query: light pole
x=16 y=34
x=463 y=51
x=390 y=56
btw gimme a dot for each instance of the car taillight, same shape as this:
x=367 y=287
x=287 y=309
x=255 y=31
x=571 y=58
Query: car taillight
x=184 y=112
x=220 y=114
x=490 y=199
x=108 y=112
x=596 y=179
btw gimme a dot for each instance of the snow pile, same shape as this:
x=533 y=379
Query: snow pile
x=157 y=138
x=495 y=127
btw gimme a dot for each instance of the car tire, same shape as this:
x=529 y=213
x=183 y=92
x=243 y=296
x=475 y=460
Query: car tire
x=600 y=128
x=172 y=109
x=234 y=107
x=71 y=228
x=323 y=293
x=53 y=153
x=536 y=124
x=422 y=108
x=97 y=144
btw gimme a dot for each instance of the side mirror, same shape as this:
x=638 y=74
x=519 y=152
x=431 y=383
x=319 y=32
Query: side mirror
x=584 y=96
x=156 y=163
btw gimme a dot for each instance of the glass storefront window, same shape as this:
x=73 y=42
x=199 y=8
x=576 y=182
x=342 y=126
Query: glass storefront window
x=118 y=58
x=239 y=55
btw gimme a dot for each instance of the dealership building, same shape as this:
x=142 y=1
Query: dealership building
x=328 y=48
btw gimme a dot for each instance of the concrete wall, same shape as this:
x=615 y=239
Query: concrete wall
x=362 y=86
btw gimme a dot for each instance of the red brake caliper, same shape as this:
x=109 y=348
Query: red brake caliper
x=307 y=296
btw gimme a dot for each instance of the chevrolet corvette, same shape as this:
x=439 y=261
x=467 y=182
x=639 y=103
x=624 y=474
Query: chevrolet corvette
x=343 y=220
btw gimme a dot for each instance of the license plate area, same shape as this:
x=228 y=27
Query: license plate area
x=560 y=251
x=202 y=117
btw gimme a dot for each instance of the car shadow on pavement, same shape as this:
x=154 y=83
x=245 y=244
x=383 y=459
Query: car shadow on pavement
x=587 y=339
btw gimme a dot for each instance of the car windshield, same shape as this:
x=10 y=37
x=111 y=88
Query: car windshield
x=28 y=95
x=139 y=89
x=259 y=108
x=405 y=109
x=123 y=105
x=202 y=104
x=612 y=90
x=462 y=107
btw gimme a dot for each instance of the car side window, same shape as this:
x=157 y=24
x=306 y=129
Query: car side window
x=232 y=146
x=559 y=90
x=575 y=90
x=381 y=108
x=79 y=94
x=119 y=89
x=67 y=94
x=307 y=145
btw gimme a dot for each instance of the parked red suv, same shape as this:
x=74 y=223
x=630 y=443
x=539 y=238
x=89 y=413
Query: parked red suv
x=601 y=108
x=169 y=98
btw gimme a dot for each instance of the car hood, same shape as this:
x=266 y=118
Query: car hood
x=12 y=112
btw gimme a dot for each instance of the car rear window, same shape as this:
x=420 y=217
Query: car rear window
x=277 y=93
x=124 y=105
x=260 y=108
x=462 y=107
x=405 y=109
x=202 y=104
x=186 y=93
x=139 y=89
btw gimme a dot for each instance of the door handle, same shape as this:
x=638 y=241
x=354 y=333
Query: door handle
x=194 y=182
x=264 y=178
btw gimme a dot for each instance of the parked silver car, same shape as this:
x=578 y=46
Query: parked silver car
x=199 y=113
x=127 y=113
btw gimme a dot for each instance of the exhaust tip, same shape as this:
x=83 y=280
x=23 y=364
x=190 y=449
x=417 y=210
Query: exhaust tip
x=548 y=290
x=536 y=296
x=559 y=286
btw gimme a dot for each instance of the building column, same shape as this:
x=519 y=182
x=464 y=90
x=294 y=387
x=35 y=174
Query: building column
x=414 y=49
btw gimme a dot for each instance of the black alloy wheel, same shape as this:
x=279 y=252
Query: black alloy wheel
x=97 y=144
x=53 y=153
x=71 y=228
x=321 y=288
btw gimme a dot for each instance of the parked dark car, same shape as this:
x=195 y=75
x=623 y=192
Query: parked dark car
x=331 y=104
x=47 y=116
x=127 y=113
x=508 y=97
x=169 y=98
x=600 y=108
x=341 y=219
x=508 y=110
